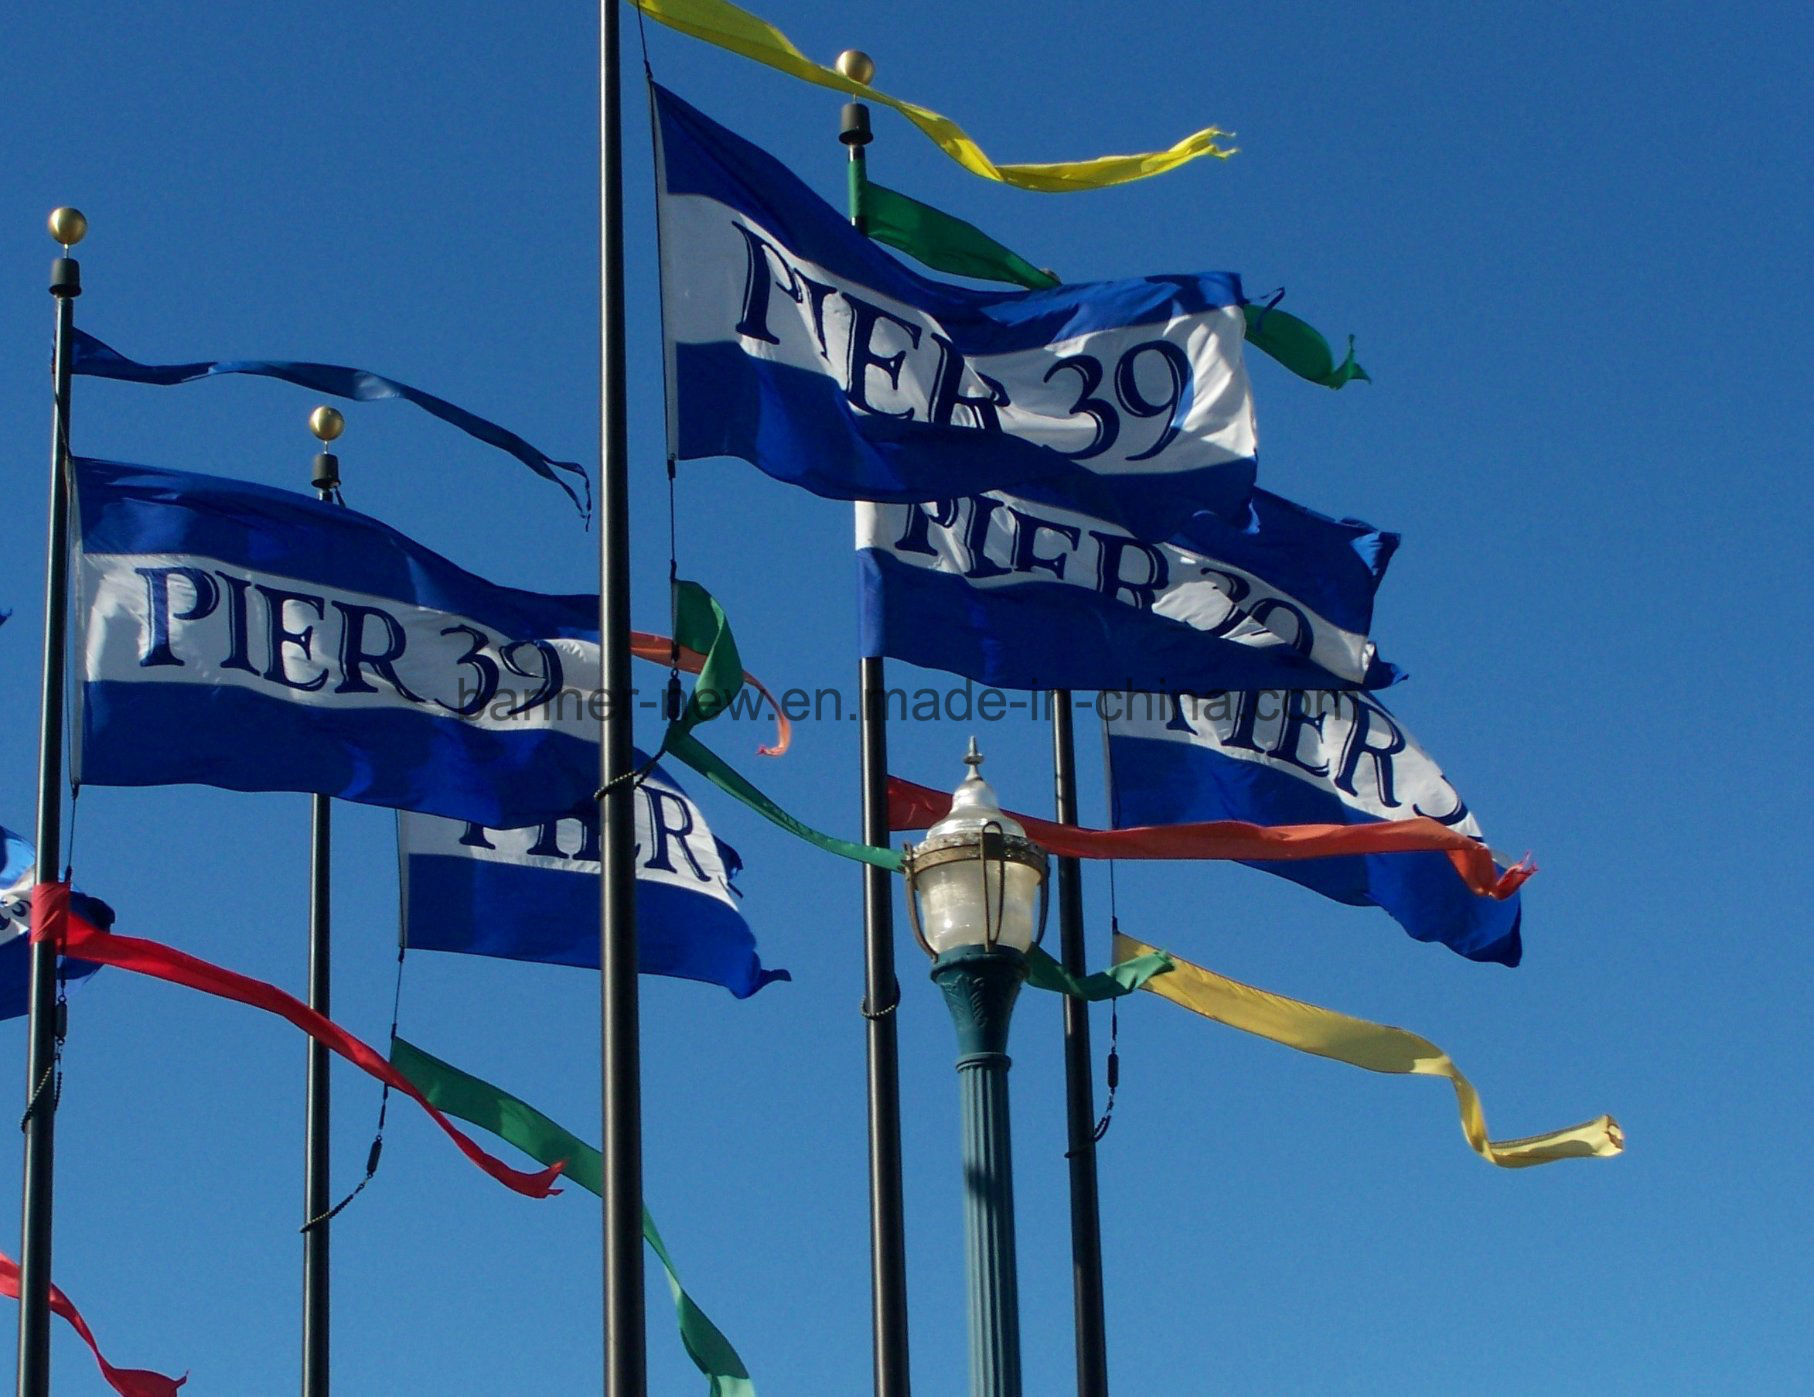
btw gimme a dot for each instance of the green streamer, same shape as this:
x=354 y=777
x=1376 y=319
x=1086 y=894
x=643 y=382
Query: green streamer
x=700 y=624
x=1300 y=347
x=683 y=746
x=941 y=241
x=1124 y=977
x=491 y=1108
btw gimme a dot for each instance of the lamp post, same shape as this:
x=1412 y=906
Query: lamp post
x=976 y=899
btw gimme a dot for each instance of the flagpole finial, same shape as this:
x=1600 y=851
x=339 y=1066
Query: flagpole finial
x=857 y=66
x=326 y=423
x=68 y=226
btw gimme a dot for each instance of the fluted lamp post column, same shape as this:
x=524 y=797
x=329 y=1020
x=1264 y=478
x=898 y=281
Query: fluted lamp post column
x=976 y=898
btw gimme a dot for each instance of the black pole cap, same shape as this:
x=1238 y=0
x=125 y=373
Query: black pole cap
x=327 y=471
x=66 y=277
x=855 y=128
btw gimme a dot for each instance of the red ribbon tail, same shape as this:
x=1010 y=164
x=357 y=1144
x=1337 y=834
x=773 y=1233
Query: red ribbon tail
x=82 y=939
x=128 y=1382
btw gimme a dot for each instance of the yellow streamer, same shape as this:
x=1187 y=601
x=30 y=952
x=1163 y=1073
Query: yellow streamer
x=721 y=23
x=1376 y=1047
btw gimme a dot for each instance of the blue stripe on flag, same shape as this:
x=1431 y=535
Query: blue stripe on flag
x=534 y=914
x=144 y=734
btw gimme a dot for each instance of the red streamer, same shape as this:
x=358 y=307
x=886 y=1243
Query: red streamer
x=53 y=920
x=128 y=1382
x=917 y=807
x=662 y=650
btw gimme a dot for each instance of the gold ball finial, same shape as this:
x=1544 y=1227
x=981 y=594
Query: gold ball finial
x=857 y=66
x=68 y=226
x=326 y=423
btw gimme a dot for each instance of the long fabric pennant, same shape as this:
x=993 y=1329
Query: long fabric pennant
x=799 y=345
x=1375 y=1047
x=939 y=240
x=1123 y=977
x=128 y=1382
x=946 y=243
x=491 y=1108
x=90 y=356
x=687 y=748
x=660 y=649
x=54 y=921
x=723 y=24
x=1300 y=347
x=912 y=806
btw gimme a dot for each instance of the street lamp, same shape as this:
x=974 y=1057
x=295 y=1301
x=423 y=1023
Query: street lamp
x=976 y=897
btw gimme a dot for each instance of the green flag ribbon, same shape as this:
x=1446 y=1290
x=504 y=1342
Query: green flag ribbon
x=948 y=244
x=463 y=1095
x=941 y=241
x=683 y=746
x=700 y=624
x=1123 y=977
x=1300 y=347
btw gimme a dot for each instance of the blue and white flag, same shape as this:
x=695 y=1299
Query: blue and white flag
x=532 y=894
x=797 y=344
x=18 y=873
x=1028 y=596
x=1295 y=757
x=239 y=636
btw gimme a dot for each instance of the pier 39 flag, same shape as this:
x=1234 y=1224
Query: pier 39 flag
x=239 y=636
x=532 y=894
x=1295 y=757
x=1027 y=596
x=799 y=345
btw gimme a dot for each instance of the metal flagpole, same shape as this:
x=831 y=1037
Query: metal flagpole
x=326 y=424
x=45 y=1031
x=619 y=1066
x=881 y=991
x=1080 y=1111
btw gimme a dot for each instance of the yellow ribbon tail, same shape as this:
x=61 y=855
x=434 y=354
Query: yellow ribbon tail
x=725 y=25
x=1376 y=1047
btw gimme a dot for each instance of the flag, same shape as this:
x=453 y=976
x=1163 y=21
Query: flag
x=1296 y=757
x=18 y=875
x=722 y=23
x=532 y=893
x=239 y=636
x=1027 y=596
x=797 y=344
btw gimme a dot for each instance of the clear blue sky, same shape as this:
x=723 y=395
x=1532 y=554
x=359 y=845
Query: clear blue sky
x=1573 y=244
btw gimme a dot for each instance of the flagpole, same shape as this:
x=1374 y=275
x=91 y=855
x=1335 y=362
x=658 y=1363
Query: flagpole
x=881 y=991
x=326 y=424
x=1080 y=1110
x=45 y=1030
x=625 y=1370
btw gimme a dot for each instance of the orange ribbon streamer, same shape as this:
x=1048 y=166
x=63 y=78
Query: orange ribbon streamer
x=912 y=806
x=661 y=650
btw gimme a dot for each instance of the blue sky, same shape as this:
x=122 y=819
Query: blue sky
x=1572 y=243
